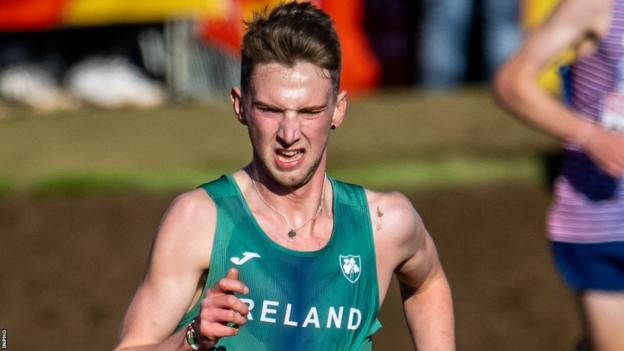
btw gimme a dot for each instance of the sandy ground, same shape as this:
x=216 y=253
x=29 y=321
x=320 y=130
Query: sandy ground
x=69 y=266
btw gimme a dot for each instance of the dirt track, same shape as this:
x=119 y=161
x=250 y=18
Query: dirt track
x=69 y=266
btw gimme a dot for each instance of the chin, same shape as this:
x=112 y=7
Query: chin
x=291 y=180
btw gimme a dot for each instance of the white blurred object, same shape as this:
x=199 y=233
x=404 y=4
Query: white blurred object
x=191 y=68
x=113 y=83
x=32 y=86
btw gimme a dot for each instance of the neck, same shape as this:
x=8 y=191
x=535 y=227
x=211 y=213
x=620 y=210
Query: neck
x=295 y=204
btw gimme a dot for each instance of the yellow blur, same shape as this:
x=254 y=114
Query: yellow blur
x=93 y=12
x=534 y=13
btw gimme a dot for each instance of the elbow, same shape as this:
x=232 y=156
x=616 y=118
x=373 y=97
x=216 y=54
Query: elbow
x=504 y=85
x=512 y=86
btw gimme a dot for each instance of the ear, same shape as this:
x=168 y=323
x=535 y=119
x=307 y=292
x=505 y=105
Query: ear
x=339 y=109
x=237 y=105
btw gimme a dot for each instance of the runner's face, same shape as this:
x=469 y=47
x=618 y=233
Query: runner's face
x=289 y=112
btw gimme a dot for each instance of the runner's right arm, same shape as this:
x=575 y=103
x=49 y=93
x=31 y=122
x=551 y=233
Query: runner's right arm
x=180 y=255
x=515 y=84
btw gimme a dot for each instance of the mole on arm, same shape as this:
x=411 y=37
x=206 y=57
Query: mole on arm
x=379 y=215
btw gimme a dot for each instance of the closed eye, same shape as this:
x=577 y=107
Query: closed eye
x=268 y=109
x=311 y=113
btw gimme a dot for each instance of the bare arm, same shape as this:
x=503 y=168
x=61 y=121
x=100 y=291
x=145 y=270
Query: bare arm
x=174 y=270
x=405 y=247
x=573 y=22
x=427 y=299
x=180 y=254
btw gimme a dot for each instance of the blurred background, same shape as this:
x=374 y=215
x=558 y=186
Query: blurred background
x=110 y=108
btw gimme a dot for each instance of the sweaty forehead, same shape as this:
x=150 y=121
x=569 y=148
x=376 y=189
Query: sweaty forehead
x=302 y=81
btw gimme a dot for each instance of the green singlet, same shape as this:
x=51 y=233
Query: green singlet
x=320 y=300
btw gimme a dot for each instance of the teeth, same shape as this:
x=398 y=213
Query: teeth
x=288 y=153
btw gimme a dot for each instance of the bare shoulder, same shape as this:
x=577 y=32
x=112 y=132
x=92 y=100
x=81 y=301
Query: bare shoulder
x=187 y=227
x=395 y=207
x=402 y=243
x=395 y=221
x=179 y=255
x=194 y=205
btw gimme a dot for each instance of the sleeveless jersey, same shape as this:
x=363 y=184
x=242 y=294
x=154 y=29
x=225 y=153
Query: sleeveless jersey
x=320 y=300
x=588 y=205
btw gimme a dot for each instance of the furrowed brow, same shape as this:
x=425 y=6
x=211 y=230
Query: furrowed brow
x=263 y=105
x=318 y=108
x=307 y=109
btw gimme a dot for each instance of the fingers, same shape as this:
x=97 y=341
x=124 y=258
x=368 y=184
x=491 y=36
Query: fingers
x=213 y=331
x=232 y=273
x=216 y=322
x=607 y=150
x=230 y=284
x=229 y=303
x=615 y=154
x=221 y=311
x=228 y=317
x=210 y=332
x=613 y=169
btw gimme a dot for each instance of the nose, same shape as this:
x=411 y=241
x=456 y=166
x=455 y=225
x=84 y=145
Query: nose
x=289 y=128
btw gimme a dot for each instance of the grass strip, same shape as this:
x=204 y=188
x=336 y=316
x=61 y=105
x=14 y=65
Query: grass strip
x=408 y=175
x=424 y=174
x=5 y=188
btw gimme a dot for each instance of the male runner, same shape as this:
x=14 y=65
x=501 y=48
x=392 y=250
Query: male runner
x=586 y=220
x=278 y=255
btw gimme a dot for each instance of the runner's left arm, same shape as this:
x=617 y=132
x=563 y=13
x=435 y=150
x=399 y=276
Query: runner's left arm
x=425 y=290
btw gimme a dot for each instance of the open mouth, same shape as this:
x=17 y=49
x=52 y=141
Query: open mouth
x=287 y=159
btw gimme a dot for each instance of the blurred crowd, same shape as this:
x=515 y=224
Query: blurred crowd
x=65 y=69
x=62 y=54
